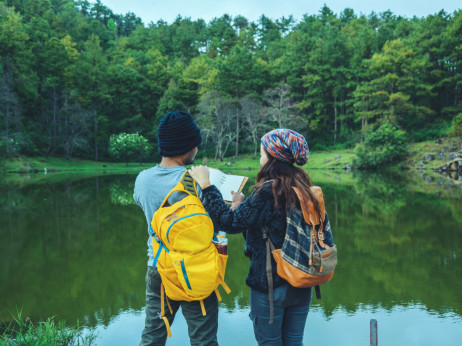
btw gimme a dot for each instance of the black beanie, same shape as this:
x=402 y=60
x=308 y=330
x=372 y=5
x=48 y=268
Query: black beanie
x=178 y=134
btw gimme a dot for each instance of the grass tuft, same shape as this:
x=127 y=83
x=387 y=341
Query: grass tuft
x=24 y=332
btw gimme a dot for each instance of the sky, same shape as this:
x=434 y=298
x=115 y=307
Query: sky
x=167 y=10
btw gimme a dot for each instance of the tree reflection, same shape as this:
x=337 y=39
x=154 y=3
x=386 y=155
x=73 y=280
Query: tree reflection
x=76 y=249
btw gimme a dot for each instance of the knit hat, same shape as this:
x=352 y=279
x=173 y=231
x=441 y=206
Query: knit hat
x=287 y=146
x=178 y=134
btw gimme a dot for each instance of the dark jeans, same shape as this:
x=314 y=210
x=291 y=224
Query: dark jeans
x=202 y=330
x=291 y=306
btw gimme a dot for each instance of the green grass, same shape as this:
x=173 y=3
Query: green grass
x=41 y=164
x=421 y=149
x=25 y=332
x=336 y=159
x=326 y=160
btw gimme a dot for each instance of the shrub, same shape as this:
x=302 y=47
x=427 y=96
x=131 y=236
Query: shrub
x=456 y=128
x=128 y=146
x=381 y=147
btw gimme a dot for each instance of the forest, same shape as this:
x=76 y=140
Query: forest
x=73 y=74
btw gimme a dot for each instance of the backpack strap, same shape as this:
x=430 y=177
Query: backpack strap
x=186 y=184
x=162 y=310
x=225 y=287
x=318 y=291
x=202 y=307
x=269 y=271
x=189 y=184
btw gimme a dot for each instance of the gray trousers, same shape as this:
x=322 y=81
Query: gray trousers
x=202 y=330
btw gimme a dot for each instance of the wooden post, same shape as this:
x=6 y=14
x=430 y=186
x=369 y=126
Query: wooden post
x=374 y=336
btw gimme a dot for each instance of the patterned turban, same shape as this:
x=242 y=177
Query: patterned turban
x=287 y=146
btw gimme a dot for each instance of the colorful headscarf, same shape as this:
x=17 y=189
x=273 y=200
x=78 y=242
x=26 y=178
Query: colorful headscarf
x=287 y=146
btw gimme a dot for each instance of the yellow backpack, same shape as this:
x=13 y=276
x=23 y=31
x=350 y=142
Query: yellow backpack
x=187 y=260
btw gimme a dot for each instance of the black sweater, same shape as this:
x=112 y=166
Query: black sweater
x=250 y=216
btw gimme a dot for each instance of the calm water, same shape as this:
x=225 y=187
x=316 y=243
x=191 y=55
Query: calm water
x=76 y=250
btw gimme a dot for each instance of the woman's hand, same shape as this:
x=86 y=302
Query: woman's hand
x=201 y=175
x=238 y=198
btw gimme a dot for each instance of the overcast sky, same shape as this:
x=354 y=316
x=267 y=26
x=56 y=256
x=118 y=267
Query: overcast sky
x=168 y=10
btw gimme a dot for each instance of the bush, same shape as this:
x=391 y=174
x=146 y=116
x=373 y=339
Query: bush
x=456 y=128
x=381 y=147
x=434 y=131
x=128 y=146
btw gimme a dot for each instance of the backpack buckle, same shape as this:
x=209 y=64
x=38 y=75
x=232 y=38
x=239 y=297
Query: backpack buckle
x=320 y=235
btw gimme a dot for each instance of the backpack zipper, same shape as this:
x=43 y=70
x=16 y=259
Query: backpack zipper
x=184 y=217
x=183 y=269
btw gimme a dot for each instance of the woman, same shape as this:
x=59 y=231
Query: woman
x=267 y=206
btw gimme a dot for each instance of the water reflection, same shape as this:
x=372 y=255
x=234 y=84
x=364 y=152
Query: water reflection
x=76 y=249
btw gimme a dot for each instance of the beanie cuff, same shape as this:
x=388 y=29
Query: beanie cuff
x=184 y=150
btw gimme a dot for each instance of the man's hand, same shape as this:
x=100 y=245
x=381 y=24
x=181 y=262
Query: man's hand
x=238 y=198
x=201 y=175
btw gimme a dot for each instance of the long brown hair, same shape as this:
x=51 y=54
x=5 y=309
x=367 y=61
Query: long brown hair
x=285 y=176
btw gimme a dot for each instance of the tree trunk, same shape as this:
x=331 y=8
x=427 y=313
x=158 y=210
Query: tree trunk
x=335 y=120
x=255 y=146
x=96 y=131
x=6 y=75
x=363 y=125
x=67 y=146
x=226 y=149
x=54 y=114
x=236 y=154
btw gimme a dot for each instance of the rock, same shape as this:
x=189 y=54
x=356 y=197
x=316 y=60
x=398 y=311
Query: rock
x=429 y=179
x=453 y=156
x=439 y=141
x=440 y=155
x=442 y=168
x=337 y=157
x=348 y=168
x=448 y=149
x=429 y=157
x=247 y=168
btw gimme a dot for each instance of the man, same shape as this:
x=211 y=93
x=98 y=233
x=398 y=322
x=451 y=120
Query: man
x=179 y=138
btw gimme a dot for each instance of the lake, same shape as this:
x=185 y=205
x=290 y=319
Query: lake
x=75 y=248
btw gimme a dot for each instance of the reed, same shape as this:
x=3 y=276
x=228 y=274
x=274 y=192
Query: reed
x=22 y=331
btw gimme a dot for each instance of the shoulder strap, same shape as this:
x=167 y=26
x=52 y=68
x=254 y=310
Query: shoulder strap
x=309 y=214
x=269 y=271
x=189 y=184
x=186 y=184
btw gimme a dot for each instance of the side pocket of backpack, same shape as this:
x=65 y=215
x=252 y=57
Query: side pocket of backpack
x=197 y=273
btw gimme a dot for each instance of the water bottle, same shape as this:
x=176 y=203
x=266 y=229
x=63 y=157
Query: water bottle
x=222 y=244
x=221 y=235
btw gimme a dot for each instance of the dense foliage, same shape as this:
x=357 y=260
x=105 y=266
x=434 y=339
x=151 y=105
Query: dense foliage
x=72 y=73
x=381 y=147
x=128 y=147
